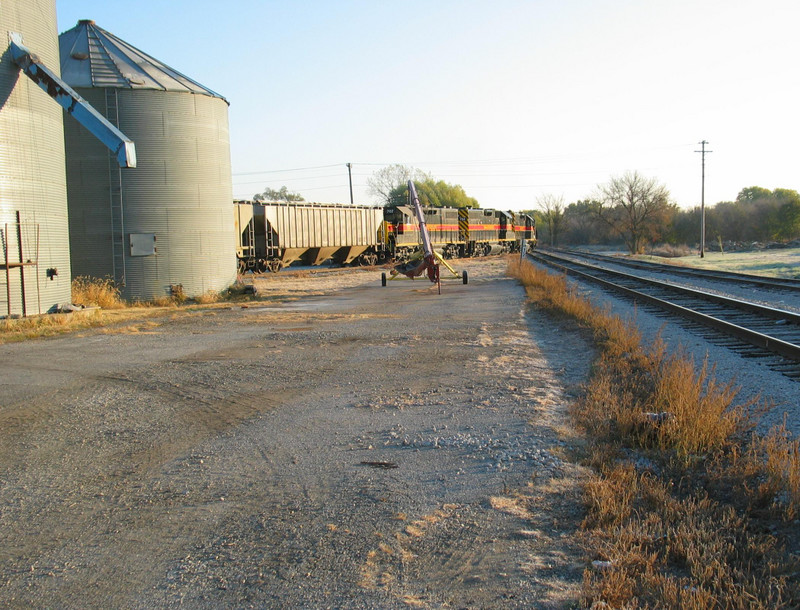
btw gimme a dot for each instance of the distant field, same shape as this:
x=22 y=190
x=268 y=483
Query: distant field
x=774 y=263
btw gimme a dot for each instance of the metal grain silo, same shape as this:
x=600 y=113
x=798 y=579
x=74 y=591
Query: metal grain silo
x=168 y=222
x=34 y=246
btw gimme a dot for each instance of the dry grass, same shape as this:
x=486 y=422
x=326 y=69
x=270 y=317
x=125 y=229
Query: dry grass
x=670 y=251
x=103 y=293
x=688 y=508
x=114 y=313
x=778 y=481
x=208 y=297
x=47 y=325
x=511 y=506
x=129 y=320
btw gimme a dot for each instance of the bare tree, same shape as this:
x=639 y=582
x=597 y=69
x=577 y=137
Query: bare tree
x=387 y=179
x=636 y=207
x=552 y=212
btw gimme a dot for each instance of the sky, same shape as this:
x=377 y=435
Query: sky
x=513 y=100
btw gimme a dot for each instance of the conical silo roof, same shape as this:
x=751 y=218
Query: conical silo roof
x=93 y=57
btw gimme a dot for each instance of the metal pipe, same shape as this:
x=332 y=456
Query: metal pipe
x=116 y=141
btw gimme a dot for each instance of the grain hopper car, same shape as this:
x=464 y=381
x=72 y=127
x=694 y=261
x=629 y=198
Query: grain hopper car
x=274 y=235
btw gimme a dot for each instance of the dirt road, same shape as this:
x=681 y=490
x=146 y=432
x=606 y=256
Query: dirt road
x=365 y=448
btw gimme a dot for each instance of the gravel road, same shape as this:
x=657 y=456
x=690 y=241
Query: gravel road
x=343 y=446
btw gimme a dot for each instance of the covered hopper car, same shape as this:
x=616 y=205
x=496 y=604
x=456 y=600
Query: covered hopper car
x=274 y=235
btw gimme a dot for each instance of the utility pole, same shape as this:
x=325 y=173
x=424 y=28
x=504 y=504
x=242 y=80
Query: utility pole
x=350 y=178
x=703 y=198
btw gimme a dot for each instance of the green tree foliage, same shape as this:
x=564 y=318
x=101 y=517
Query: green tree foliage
x=685 y=228
x=786 y=222
x=752 y=194
x=283 y=194
x=434 y=194
x=757 y=215
x=728 y=220
x=637 y=208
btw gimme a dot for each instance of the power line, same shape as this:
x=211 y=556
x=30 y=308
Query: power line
x=510 y=161
x=287 y=180
x=294 y=169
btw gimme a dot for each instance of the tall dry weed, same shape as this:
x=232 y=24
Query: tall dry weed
x=610 y=496
x=208 y=297
x=89 y=291
x=779 y=455
x=702 y=415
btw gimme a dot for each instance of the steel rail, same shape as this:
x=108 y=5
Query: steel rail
x=757 y=280
x=772 y=344
x=763 y=310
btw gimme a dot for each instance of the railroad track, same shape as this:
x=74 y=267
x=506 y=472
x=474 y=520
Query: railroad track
x=772 y=283
x=749 y=329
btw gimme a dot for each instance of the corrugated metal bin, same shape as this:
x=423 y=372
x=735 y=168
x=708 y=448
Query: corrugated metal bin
x=34 y=252
x=168 y=222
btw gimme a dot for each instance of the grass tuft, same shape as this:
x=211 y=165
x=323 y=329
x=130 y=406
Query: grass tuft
x=104 y=294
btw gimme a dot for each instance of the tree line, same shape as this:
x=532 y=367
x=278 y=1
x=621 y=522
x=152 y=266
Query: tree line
x=637 y=211
x=630 y=209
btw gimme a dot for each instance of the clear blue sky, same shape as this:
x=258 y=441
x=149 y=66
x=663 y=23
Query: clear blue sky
x=510 y=99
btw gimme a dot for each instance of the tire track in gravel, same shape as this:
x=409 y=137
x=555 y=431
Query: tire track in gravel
x=502 y=552
x=116 y=453
x=221 y=463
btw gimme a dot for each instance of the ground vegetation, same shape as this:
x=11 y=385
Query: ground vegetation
x=688 y=507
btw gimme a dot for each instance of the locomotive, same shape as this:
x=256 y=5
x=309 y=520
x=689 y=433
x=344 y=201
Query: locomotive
x=274 y=235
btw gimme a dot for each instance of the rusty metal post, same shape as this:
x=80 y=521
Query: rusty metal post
x=21 y=266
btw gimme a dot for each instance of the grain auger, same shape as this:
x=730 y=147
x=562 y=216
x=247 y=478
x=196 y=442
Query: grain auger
x=425 y=261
